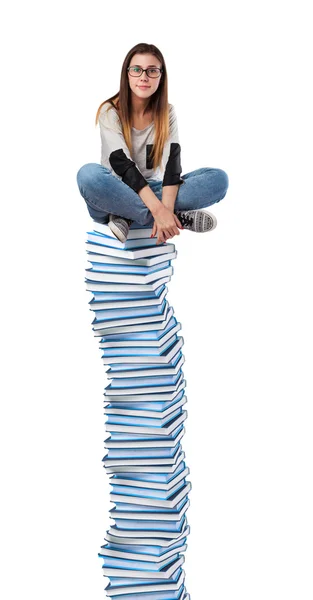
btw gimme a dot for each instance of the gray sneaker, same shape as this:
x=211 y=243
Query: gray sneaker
x=197 y=220
x=119 y=226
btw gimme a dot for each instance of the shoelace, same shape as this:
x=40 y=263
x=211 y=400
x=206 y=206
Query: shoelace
x=186 y=219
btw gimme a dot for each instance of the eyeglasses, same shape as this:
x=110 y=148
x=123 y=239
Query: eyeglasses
x=136 y=71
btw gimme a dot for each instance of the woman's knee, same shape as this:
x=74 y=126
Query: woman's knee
x=223 y=181
x=217 y=183
x=86 y=174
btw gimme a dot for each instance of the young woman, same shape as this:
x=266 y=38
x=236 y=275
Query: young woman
x=139 y=178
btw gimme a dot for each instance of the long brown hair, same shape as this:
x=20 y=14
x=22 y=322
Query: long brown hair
x=158 y=103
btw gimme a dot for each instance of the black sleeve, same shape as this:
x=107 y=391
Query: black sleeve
x=127 y=170
x=173 y=166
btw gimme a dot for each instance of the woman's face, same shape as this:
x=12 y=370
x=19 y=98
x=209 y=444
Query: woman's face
x=144 y=86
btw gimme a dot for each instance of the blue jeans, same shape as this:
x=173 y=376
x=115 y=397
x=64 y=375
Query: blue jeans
x=104 y=193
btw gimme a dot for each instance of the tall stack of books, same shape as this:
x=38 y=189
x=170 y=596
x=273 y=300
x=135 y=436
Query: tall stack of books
x=144 y=406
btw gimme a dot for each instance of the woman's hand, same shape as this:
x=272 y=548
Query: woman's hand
x=166 y=224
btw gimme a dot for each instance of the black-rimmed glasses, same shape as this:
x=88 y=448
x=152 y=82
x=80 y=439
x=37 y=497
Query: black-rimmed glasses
x=136 y=71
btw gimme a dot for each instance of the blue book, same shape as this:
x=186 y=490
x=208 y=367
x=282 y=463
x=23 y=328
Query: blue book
x=170 y=368
x=147 y=492
x=133 y=555
x=161 y=443
x=137 y=565
x=124 y=582
x=126 y=313
x=132 y=461
x=145 y=381
x=142 y=453
x=133 y=254
x=120 y=369
x=116 y=435
x=153 y=525
x=140 y=295
x=95 y=306
x=141 y=421
x=130 y=268
x=128 y=411
x=128 y=351
x=168 y=503
x=151 y=515
x=117 y=479
x=132 y=581
x=145 y=550
x=151 y=334
x=109 y=242
x=135 y=230
x=164 y=595
x=152 y=478
x=160 y=406
x=147 y=323
x=132 y=571
x=163 y=358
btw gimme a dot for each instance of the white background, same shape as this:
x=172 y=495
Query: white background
x=239 y=77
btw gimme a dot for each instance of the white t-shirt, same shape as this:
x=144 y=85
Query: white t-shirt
x=135 y=169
